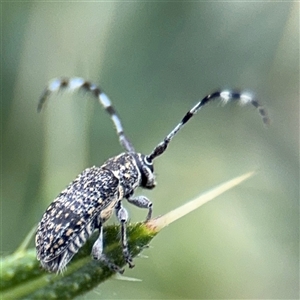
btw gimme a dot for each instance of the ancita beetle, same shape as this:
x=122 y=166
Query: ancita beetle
x=91 y=198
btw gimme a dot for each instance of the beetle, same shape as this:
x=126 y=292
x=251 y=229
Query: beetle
x=89 y=201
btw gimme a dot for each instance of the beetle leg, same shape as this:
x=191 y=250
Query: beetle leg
x=98 y=245
x=142 y=202
x=122 y=216
x=98 y=249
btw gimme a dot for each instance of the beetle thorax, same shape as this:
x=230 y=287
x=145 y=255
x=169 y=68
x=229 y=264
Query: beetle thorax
x=132 y=170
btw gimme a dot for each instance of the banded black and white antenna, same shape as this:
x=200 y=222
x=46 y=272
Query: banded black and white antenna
x=224 y=96
x=77 y=83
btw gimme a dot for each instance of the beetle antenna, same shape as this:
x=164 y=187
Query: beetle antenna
x=225 y=97
x=77 y=83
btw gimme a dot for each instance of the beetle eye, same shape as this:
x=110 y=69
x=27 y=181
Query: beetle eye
x=148 y=163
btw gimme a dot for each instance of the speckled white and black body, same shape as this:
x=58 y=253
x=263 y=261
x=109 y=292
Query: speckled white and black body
x=85 y=205
x=92 y=197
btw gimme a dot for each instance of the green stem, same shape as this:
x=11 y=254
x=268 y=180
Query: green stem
x=22 y=278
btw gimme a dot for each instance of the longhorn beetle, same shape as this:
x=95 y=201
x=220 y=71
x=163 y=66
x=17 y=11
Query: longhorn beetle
x=90 y=199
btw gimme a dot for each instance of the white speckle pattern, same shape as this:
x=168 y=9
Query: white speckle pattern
x=55 y=85
x=104 y=100
x=92 y=87
x=245 y=99
x=75 y=83
x=225 y=95
x=84 y=206
x=194 y=109
x=117 y=122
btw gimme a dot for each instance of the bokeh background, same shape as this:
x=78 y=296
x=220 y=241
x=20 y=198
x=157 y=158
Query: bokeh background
x=155 y=60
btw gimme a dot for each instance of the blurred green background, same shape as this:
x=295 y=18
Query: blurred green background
x=155 y=60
